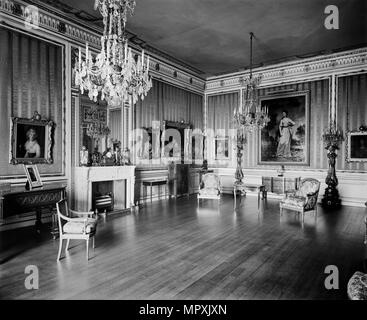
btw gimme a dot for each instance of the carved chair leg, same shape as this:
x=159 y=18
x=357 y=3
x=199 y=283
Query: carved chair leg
x=87 y=241
x=60 y=248
x=67 y=245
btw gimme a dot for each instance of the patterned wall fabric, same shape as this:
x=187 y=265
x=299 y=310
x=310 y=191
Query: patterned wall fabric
x=220 y=110
x=167 y=102
x=31 y=80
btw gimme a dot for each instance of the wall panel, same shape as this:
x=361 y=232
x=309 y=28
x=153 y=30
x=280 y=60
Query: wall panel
x=167 y=102
x=31 y=80
x=351 y=113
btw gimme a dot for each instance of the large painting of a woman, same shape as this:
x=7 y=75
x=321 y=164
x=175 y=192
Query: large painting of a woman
x=285 y=132
x=285 y=139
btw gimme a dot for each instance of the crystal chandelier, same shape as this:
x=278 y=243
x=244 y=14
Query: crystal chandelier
x=250 y=115
x=114 y=73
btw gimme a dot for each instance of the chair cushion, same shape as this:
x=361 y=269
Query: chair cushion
x=78 y=227
x=295 y=201
x=357 y=286
x=209 y=191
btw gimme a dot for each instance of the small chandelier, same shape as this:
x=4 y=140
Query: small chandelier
x=250 y=115
x=114 y=73
x=97 y=130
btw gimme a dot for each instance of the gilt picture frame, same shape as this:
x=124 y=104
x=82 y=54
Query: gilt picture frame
x=285 y=140
x=356 y=146
x=31 y=140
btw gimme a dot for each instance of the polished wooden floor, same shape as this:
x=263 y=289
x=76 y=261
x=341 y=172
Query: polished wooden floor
x=177 y=250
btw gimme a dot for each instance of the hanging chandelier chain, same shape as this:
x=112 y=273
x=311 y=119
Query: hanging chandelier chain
x=251 y=36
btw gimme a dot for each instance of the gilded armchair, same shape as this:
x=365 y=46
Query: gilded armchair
x=302 y=200
x=75 y=227
x=209 y=187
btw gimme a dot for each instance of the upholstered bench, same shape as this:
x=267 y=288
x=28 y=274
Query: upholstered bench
x=357 y=286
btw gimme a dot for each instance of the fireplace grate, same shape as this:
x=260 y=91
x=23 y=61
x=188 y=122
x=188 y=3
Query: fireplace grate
x=104 y=202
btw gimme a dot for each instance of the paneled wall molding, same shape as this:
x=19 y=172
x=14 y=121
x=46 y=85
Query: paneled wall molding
x=302 y=70
x=351 y=186
x=76 y=34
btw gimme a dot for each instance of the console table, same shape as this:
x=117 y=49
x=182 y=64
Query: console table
x=26 y=201
x=279 y=185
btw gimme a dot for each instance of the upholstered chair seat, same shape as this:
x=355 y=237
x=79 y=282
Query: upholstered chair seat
x=297 y=201
x=88 y=226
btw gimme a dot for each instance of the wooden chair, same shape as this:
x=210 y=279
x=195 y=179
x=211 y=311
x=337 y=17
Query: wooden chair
x=75 y=228
x=302 y=200
x=210 y=187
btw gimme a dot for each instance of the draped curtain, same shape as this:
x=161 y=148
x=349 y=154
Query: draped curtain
x=30 y=80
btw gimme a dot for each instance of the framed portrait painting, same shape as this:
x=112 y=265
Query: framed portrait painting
x=31 y=141
x=221 y=148
x=285 y=140
x=356 y=146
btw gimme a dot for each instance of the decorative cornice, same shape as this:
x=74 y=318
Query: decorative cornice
x=305 y=69
x=79 y=35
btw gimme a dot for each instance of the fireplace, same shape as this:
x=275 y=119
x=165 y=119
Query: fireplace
x=104 y=184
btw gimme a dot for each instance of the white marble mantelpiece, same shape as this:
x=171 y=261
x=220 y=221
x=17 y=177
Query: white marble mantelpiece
x=85 y=176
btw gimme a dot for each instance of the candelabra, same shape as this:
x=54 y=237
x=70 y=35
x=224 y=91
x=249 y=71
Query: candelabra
x=332 y=137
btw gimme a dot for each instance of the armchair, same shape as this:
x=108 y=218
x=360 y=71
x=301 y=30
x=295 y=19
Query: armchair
x=75 y=228
x=302 y=200
x=209 y=187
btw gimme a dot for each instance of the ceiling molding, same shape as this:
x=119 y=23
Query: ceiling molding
x=306 y=69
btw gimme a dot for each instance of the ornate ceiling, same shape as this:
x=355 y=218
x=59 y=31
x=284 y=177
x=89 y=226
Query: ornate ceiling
x=213 y=35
